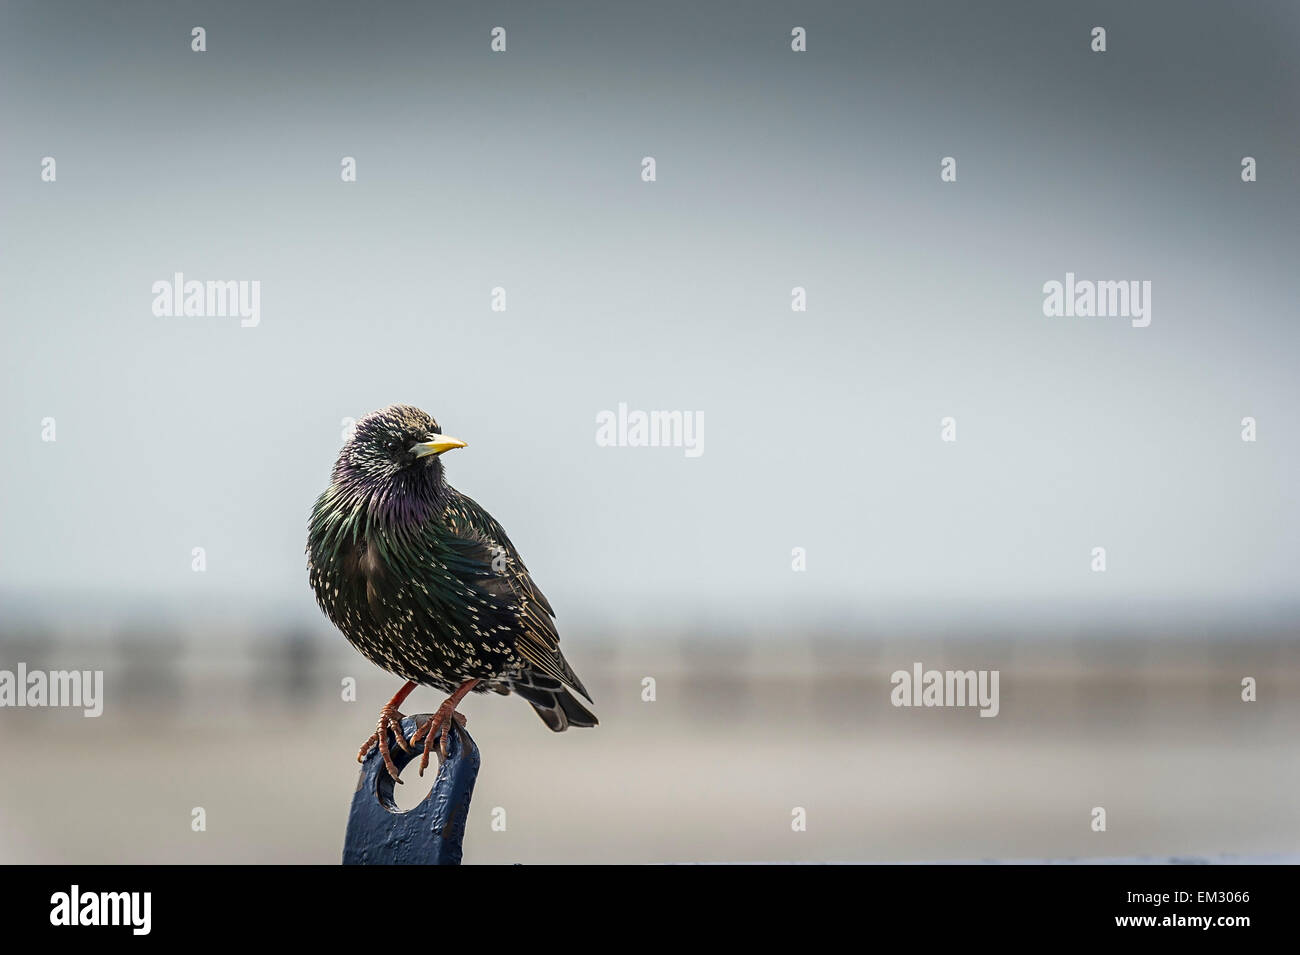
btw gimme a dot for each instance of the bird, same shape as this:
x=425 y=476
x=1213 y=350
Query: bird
x=424 y=582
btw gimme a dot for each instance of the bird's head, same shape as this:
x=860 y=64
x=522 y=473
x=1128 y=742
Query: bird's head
x=399 y=443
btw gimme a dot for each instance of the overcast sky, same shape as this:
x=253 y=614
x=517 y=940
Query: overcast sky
x=774 y=169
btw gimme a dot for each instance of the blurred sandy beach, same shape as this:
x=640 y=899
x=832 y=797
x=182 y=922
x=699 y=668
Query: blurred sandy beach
x=256 y=733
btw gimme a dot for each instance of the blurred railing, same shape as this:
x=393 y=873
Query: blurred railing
x=1113 y=677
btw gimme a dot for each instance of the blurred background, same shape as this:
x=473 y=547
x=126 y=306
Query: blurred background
x=522 y=170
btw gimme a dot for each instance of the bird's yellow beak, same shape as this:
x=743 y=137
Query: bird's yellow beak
x=438 y=444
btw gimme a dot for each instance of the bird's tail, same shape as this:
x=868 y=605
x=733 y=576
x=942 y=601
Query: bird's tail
x=557 y=707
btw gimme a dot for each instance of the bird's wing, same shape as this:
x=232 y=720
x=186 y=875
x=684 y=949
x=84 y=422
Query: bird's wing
x=480 y=555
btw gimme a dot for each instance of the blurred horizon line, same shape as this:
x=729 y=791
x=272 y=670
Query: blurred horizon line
x=1060 y=618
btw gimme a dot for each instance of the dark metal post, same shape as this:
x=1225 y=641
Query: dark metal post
x=430 y=834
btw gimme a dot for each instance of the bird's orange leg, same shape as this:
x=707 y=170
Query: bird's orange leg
x=389 y=718
x=445 y=716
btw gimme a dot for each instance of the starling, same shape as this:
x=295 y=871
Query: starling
x=426 y=584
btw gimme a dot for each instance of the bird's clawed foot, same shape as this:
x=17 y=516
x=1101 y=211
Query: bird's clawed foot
x=439 y=725
x=389 y=720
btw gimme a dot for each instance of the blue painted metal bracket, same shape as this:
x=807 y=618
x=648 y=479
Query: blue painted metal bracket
x=430 y=834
